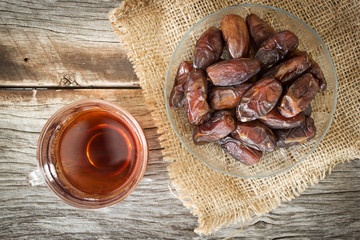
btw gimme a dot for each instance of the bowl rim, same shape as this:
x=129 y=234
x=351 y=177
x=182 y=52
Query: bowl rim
x=331 y=114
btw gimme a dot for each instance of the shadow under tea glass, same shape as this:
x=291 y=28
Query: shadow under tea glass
x=91 y=154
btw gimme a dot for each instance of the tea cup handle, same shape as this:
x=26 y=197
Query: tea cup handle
x=35 y=178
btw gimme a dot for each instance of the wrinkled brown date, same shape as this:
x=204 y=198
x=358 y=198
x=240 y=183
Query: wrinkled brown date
x=259 y=99
x=233 y=71
x=298 y=135
x=208 y=48
x=236 y=36
x=275 y=48
x=315 y=70
x=259 y=30
x=196 y=106
x=256 y=135
x=299 y=95
x=240 y=151
x=227 y=97
x=290 y=69
x=218 y=126
x=176 y=99
x=275 y=120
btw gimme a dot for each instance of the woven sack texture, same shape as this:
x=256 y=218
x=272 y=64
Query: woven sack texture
x=150 y=31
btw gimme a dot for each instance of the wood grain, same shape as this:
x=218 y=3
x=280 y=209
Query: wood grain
x=327 y=210
x=61 y=43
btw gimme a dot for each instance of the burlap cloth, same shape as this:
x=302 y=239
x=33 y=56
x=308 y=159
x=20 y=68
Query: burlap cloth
x=151 y=30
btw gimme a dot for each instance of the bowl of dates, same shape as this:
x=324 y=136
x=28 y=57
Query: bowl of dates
x=251 y=90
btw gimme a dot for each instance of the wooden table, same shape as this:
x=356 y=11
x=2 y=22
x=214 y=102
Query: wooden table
x=55 y=52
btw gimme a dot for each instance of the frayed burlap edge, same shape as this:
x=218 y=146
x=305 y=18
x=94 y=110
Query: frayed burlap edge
x=247 y=197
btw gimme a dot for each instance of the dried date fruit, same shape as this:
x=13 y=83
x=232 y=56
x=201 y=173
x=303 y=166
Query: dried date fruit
x=259 y=30
x=284 y=70
x=233 y=71
x=275 y=48
x=256 y=135
x=294 y=52
x=315 y=70
x=259 y=99
x=275 y=120
x=290 y=69
x=218 y=126
x=208 y=48
x=196 y=106
x=176 y=99
x=308 y=111
x=299 y=95
x=240 y=151
x=236 y=36
x=298 y=135
x=227 y=97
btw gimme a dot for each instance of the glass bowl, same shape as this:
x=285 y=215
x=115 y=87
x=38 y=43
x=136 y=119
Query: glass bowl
x=323 y=105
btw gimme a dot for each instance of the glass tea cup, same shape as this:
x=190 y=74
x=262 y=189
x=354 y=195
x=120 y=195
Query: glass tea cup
x=91 y=154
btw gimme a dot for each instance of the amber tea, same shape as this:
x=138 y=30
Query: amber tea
x=92 y=154
x=97 y=152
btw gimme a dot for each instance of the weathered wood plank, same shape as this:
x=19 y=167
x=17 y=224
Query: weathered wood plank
x=61 y=43
x=328 y=210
